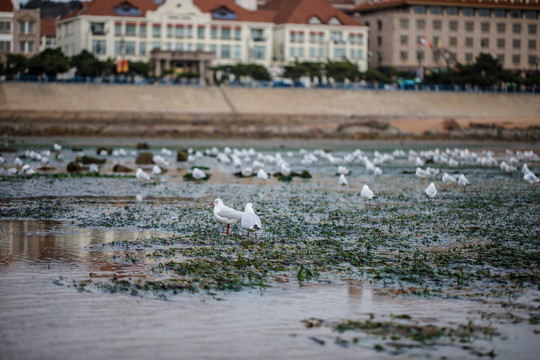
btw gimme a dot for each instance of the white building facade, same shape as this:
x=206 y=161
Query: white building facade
x=234 y=34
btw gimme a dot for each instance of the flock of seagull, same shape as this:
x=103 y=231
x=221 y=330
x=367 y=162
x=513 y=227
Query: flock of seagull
x=249 y=162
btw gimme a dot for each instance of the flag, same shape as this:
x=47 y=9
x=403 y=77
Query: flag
x=119 y=66
x=422 y=41
x=431 y=44
x=125 y=66
x=439 y=43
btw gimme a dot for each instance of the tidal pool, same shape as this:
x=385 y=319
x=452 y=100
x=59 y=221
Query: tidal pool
x=87 y=271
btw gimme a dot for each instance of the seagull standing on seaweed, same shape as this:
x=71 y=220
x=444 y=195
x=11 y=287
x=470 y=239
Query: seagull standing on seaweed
x=250 y=221
x=225 y=214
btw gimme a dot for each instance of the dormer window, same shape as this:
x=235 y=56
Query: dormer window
x=223 y=14
x=334 y=21
x=314 y=20
x=126 y=9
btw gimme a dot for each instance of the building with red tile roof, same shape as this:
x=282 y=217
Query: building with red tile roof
x=19 y=29
x=48 y=33
x=428 y=34
x=275 y=33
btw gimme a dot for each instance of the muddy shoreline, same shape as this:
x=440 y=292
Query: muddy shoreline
x=265 y=126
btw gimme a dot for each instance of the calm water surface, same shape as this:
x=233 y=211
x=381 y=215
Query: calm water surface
x=40 y=319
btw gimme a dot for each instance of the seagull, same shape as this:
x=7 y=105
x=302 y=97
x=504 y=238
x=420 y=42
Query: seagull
x=156 y=170
x=18 y=162
x=57 y=147
x=448 y=178
x=142 y=175
x=225 y=214
x=93 y=169
x=530 y=177
x=421 y=173
x=198 y=174
x=366 y=193
x=431 y=190
x=343 y=180
x=261 y=174
x=342 y=170
x=463 y=181
x=250 y=221
x=247 y=171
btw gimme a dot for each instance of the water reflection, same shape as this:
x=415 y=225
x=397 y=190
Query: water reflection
x=48 y=241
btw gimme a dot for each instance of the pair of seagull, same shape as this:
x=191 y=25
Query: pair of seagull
x=227 y=215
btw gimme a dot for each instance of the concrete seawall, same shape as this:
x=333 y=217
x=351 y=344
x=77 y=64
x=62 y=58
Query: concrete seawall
x=124 y=110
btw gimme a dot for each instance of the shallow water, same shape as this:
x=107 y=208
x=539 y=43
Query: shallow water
x=40 y=319
x=43 y=314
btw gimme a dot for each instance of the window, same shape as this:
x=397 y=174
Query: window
x=22 y=30
x=321 y=38
x=118 y=29
x=453 y=25
x=142 y=48
x=334 y=21
x=312 y=52
x=532 y=29
x=379 y=41
x=97 y=28
x=259 y=52
x=238 y=33
x=360 y=54
x=321 y=52
x=469 y=26
x=30 y=46
x=500 y=43
x=300 y=36
x=130 y=47
x=352 y=54
x=420 y=24
x=213 y=32
x=237 y=52
x=436 y=42
x=403 y=55
x=468 y=57
x=30 y=28
x=437 y=24
x=435 y=10
x=5 y=46
x=258 y=35
x=501 y=27
x=420 y=55
x=379 y=25
x=516 y=43
x=179 y=46
x=224 y=14
x=339 y=53
x=533 y=59
x=500 y=58
x=404 y=23
x=453 y=41
x=467 y=12
x=301 y=52
x=530 y=14
x=142 y=30
x=225 y=51
x=200 y=32
x=156 y=30
x=469 y=42
x=179 y=31
x=419 y=9
x=483 y=12
x=451 y=10
x=213 y=50
x=516 y=58
x=292 y=36
x=484 y=43
x=189 y=32
x=312 y=37
x=499 y=13
x=515 y=14
x=131 y=29
x=200 y=47
x=118 y=47
x=226 y=33
x=404 y=39
x=336 y=36
x=99 y=47
x=516 y=28
x=156 y=45
x=532 y=44
x=436 y=55
x=485 y=27
x=127 y=10
x=169 y=31
x=314 y=20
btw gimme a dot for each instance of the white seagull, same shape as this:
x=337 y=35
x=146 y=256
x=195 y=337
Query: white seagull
x=198 y=174
x=250 y=221
x=431 y=190
x=225 y=214
x=366 y=193
x=261 y=174
x=342 y=170
x=448 y=178
x=463 y=181
x=156 y=170
x=343 y=180
x=142 y=175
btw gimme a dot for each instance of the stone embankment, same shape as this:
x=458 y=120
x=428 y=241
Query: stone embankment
x=210 y=112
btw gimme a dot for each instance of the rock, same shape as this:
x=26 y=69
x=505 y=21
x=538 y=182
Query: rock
x=87 y=160
x=73 y=166
x=181 y=156
x=143 y=146
x=121 y=168
x=144 y=159
x=7 y=149
x=107 y=149
x=431 y=132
